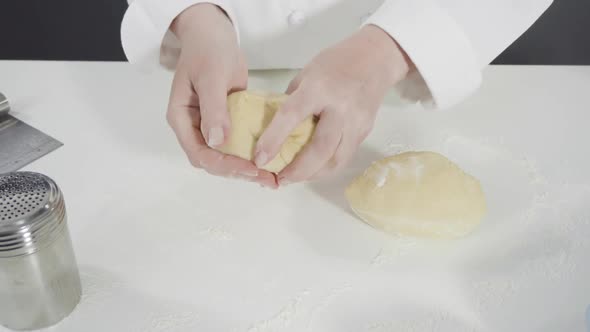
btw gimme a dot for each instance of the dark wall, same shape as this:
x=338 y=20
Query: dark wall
x=61 y=29
x=560 y=36
x=89 y=30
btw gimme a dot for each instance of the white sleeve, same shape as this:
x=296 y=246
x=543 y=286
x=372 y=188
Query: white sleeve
x=145 y=27
x=450 y=41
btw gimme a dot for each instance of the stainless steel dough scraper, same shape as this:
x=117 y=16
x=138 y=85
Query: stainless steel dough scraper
x=20 y=144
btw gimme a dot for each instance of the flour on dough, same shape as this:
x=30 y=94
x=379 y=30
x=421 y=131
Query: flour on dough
x=418 y=194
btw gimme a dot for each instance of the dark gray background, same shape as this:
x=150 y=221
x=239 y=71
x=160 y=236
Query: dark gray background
x=89 y=30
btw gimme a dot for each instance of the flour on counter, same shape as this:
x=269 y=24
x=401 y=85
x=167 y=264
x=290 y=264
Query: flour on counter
x=402 y=246
x=532 y=169
x=98 y=288
x=172 y=321
x=493 y=294
x=551 y=266
x=395 y=148
x=325 y=302
x=440 y=321
x=538 y=201
x=217 y=233
x=282 y=319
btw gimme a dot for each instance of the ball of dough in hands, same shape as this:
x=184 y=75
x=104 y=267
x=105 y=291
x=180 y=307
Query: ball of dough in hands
x=250 y=114
x=419 y=194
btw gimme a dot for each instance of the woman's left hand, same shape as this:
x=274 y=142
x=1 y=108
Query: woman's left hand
x=344 y=86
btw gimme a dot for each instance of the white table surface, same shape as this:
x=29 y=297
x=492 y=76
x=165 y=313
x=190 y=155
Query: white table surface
x=163 y=247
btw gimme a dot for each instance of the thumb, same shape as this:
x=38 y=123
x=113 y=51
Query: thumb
x=215 y=121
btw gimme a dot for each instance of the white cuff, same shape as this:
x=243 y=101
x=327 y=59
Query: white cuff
x=146 y=23
x=448 y=69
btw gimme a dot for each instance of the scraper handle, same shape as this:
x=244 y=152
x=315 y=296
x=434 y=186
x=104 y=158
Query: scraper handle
x=4 y=106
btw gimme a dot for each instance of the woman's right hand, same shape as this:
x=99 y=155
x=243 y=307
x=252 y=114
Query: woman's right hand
x=210 y=66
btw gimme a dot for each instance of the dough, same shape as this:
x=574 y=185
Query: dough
x=419 y=194
x=250 y=113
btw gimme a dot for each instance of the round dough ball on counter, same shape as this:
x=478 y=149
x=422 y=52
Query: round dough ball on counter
x=420 y=194
x=250 y=113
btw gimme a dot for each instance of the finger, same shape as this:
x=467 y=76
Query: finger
x=293 y=111
x=212 y=161
x=344 y=153
x=182 y=94
x=264 y=178
x=220 y=164
x=353 y=137
x=240 y=80
x=267 y=180
x=184 y=119
x=320 y=150
x=215 y=123
x=182 y=114
x=294 y=84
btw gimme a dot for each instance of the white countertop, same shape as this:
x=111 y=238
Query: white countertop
x=164 y=247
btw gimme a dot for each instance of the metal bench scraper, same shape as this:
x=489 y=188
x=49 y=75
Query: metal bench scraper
x=20 y=144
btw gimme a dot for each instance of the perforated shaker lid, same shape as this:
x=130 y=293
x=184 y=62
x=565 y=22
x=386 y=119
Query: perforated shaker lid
x=32 y=212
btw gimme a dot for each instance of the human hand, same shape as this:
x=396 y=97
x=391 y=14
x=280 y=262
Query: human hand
x=344 y=86
x=210 y=65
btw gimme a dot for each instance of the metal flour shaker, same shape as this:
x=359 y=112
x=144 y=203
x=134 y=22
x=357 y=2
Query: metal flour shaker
x=39 y=279
x=4 y=106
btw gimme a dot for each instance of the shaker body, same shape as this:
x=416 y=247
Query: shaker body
x=39 y=280
x=4 y=105
x=39 y=289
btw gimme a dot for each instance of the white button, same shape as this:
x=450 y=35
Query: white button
x=296 y=17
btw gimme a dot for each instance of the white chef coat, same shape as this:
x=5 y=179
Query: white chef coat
x=449 y=41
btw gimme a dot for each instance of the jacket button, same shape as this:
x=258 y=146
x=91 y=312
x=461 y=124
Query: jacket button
x=296 y=17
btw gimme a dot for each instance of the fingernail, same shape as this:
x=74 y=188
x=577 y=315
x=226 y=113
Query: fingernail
x=261 y=159
x=240 y=176
x=215 y=136
x=251 y=174
x=244 y=178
